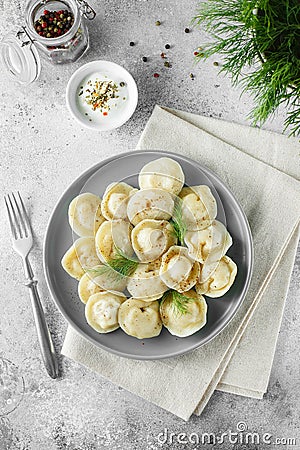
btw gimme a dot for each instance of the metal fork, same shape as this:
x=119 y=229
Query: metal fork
x=22 y=242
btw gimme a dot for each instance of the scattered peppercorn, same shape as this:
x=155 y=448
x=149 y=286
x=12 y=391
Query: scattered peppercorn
x=192 y=76
x=187 y=30
x=157 y=23
x=144 y=58
x=122 y=84
x=131 y=44
x=167 y=64
x=216 y=63
x=156 y=75
x=167 y=46
x=163 y=55
x=52 y=24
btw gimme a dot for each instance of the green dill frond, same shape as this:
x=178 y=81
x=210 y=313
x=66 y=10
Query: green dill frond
x=116 y=268
x=177 y=221
x=112 y=276
x=179 y=301
x=258 y=41
x=292 y=121
x=122 y=264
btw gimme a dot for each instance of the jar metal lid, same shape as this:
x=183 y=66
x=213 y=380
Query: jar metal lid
x=20 y=57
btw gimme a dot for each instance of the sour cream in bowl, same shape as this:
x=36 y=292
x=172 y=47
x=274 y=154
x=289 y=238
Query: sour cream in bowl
x=101 y=95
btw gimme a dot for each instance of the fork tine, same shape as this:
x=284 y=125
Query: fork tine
x=21 y=217
x=12 y=227
x=15 y=219
x=25 y=216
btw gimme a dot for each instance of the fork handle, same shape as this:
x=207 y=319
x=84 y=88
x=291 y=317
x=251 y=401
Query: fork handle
x=44 y=337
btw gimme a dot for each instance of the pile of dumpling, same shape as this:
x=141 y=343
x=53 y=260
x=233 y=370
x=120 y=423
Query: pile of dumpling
x=138 y=223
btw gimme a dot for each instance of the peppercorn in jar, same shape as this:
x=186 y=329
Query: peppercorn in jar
x=54 y=29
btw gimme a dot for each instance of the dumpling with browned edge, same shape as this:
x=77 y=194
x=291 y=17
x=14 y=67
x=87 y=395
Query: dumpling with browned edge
x=209 y=244
x=98 y=279
x=80 y=257
x=140 y=319
x=187 y=323
x=199 y=207
x=145 y=282
x=163 y=173
x=101 y=311
x=113 y=236
x=115 y=199
x=178 y=270
x=217 y=280
x=84 y=214
x=151 y=238
x=87 y=287
x=150 y=204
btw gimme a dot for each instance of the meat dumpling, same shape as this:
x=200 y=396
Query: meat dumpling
x=84 y=214
x=95 y=281
x=178 y=270
x=215 y=281
x=188 y=323
x=80 y=257
x=115 y=199
x=112 y=236
x=150 y=204
x=140 y=319
x=162 y=173
x=151 y=238
x=101 y=311
x=210 y=243
x=146 y=283
x=199 y=207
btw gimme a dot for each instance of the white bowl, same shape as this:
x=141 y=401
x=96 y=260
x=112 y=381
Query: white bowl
x=121 y=108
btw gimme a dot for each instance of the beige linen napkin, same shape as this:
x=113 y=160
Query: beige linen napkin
x=262 y=170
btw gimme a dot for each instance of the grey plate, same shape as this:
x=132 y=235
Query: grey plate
x=64 y=289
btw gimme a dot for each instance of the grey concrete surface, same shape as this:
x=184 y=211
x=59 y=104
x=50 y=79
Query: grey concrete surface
x=42 y=150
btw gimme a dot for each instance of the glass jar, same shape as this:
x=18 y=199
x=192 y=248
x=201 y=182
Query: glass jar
x=20 y=52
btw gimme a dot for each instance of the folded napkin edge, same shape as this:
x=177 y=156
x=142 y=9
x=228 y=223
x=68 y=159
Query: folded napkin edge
x=238 y=390
x=169 y=111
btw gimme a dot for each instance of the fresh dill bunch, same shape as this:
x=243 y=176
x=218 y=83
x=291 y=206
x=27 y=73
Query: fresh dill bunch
x=117 y=267
x=259 y=44
x=177 y=221
x=179 y=301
